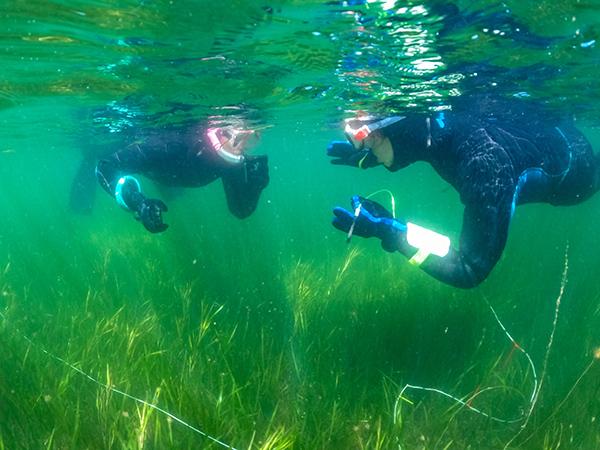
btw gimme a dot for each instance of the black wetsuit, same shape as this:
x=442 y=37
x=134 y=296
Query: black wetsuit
x=495 y=163
x=184 y=157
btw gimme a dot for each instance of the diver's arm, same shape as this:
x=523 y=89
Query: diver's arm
x=483 y=238
x=128 y=161
x=244 y=184
x=487 y=190
x=115 y=175
x=485 y=181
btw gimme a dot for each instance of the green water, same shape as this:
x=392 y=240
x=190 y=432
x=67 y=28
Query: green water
x=272 y=332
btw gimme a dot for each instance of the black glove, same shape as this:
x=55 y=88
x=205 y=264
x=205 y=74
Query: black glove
x=147 y=210
x=150 y=214
x=345 y=154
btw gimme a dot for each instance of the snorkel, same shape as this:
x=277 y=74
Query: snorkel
x=230 y=143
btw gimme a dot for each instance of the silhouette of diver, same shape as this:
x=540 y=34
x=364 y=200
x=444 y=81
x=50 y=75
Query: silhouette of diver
x=185 y=157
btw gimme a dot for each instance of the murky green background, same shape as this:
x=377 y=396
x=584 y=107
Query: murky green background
x=272 y=332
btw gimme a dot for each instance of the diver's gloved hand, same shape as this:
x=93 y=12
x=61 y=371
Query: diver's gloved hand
x=128 y=194
x=370 y=219
x=344 y=153
x=150 y=214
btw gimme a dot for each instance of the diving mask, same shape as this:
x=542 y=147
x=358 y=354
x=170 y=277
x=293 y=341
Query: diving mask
x=358 y=130
x=231 y=143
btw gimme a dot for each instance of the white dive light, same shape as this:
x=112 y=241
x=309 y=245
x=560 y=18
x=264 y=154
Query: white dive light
x=426 y=242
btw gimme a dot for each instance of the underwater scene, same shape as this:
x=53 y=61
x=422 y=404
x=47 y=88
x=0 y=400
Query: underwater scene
x=146 y=304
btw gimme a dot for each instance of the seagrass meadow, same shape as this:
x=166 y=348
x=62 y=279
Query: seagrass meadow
x=273 y=332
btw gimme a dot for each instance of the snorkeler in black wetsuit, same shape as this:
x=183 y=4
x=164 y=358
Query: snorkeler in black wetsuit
x=494 y=161
x=182 y=157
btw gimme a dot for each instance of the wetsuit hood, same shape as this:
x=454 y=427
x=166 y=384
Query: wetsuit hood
x=408 y=139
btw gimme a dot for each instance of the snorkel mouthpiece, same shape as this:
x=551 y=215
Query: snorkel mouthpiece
x=228 y=148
